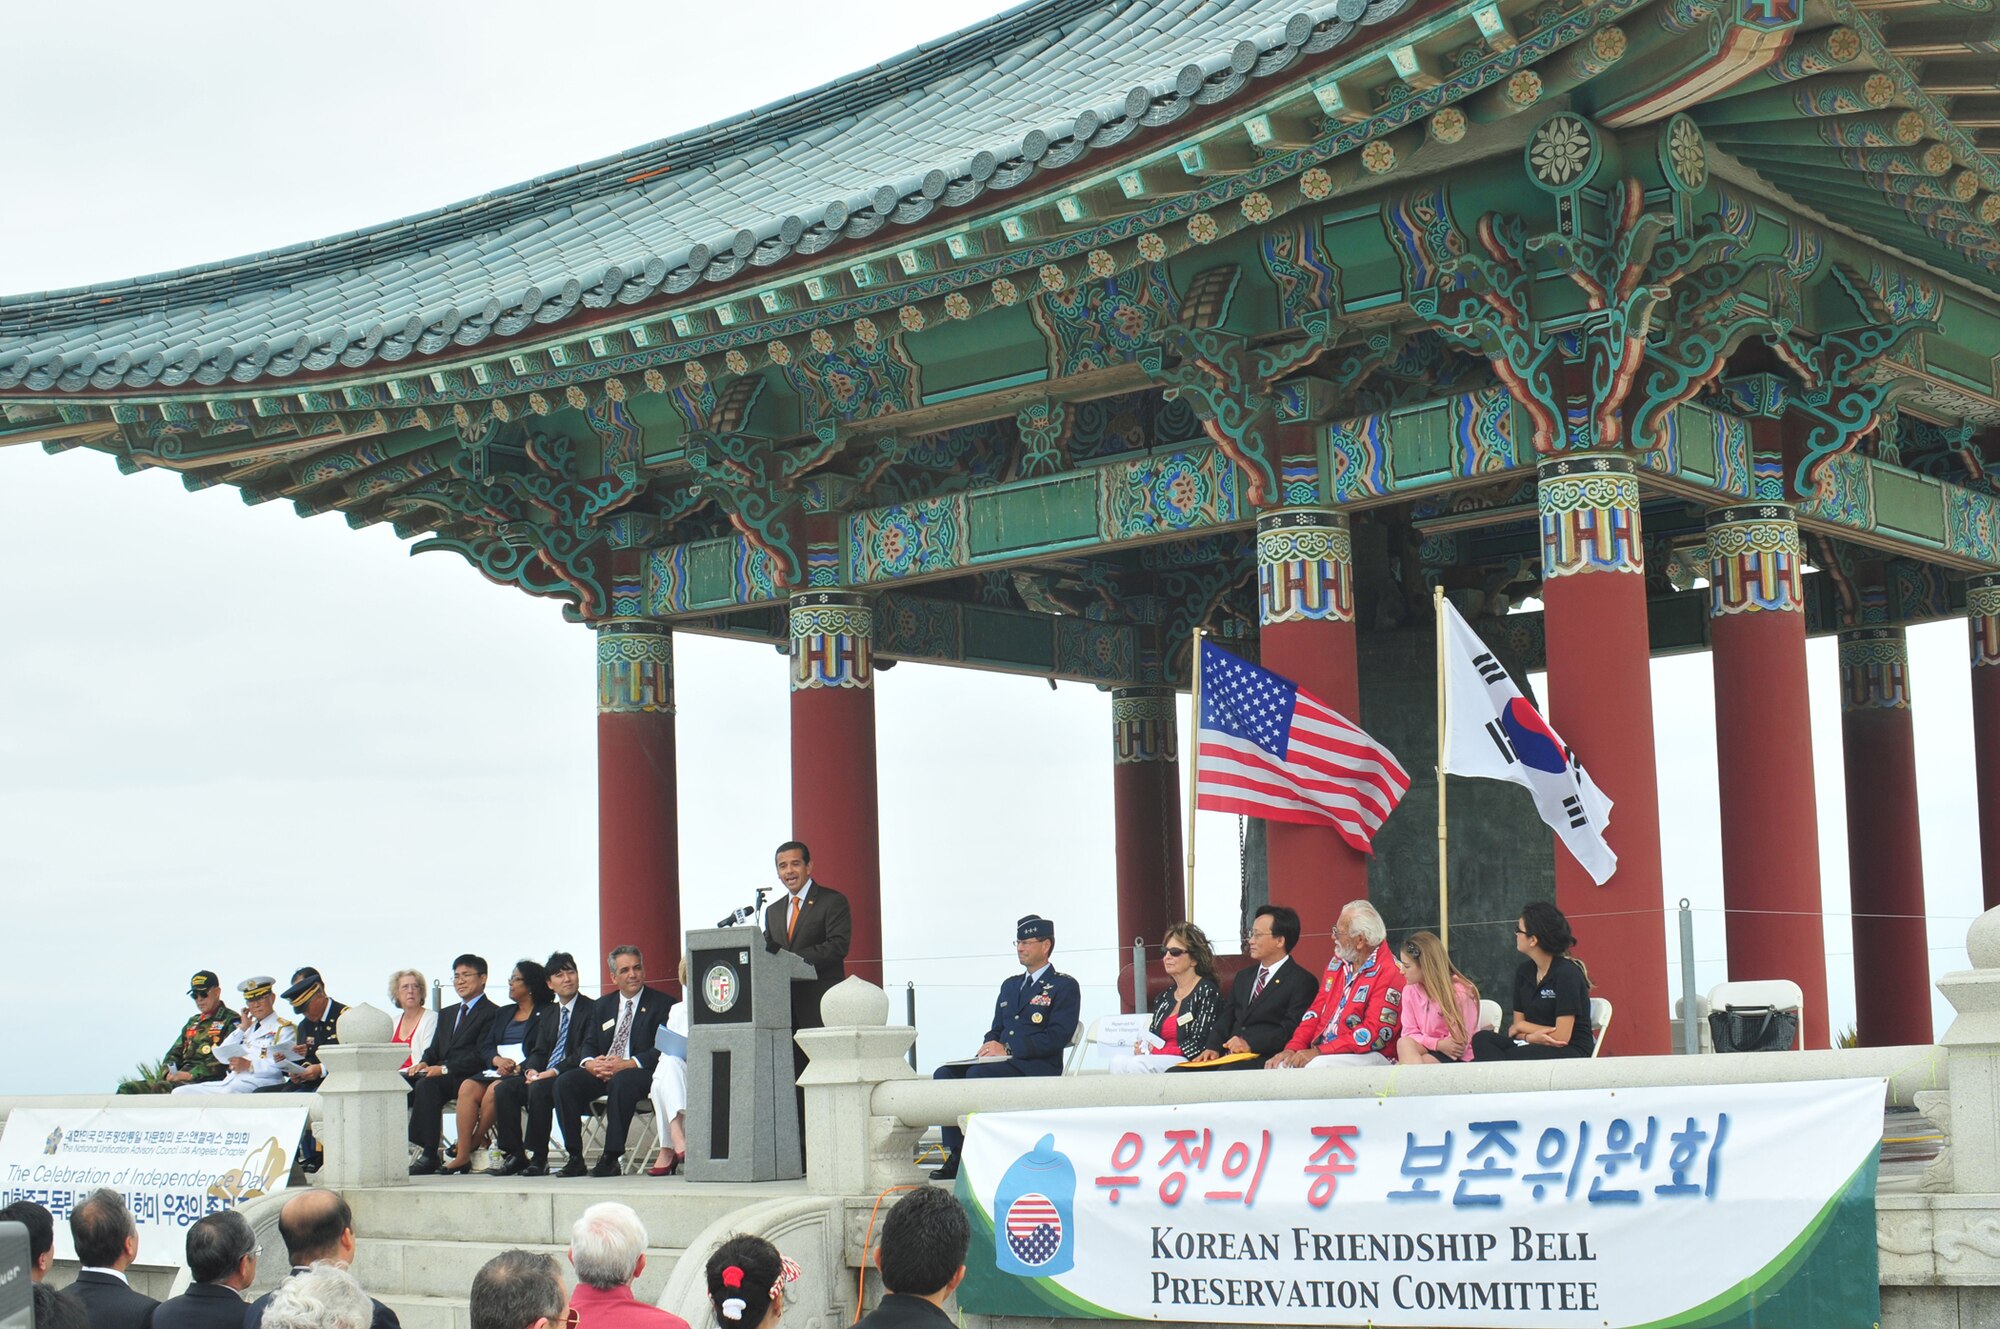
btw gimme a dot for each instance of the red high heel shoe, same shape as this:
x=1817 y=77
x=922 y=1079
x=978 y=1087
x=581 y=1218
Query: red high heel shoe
x=673 y=1165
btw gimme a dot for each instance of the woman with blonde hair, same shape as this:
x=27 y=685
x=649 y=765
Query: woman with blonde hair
x=415 y=1022
x=1440 y=1005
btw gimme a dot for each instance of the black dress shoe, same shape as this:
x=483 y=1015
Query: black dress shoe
x=573 y=1168
x=609 y=1167
x=534 y=1170
x=513 y=1166
x=426 y=1165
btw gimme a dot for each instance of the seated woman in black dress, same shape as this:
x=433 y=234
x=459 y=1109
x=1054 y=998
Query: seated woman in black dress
x=1551 y=995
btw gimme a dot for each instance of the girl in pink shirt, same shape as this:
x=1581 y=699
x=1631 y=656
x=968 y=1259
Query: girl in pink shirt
x=1440 y=1005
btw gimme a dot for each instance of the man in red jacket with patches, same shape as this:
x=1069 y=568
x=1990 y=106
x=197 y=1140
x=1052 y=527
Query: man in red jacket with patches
x=1359 y=1010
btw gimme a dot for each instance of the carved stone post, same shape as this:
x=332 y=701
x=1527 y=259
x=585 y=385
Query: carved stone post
x=1973 y=1040
x=848 y=1151
x=364 y=1104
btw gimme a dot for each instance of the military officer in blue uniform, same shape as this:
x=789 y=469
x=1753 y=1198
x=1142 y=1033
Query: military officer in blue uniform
x=1034 y=1019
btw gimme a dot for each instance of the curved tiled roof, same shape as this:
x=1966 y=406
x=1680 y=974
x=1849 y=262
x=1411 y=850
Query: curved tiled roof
x=986 y=108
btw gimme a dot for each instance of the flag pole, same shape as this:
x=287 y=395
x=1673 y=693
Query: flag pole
x=1193 y=766
x=1444 y=904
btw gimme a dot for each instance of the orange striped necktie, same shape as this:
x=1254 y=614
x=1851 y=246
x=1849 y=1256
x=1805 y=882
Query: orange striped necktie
x=792 y=923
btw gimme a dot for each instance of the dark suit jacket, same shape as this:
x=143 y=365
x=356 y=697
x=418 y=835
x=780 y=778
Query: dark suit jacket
x=503 y=1015
x=821 y=939
x=113 y=1305
x=1267 y=1024
x=455 y=1046
x=548 y=1023
x=202 y=1306
x=253 y=1314
x=602 y=1027
x=899 y=1310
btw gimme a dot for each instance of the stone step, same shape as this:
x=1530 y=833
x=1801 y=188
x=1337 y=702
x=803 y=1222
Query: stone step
x=540 y=1211
x=430 y=1312
x=444 y=1269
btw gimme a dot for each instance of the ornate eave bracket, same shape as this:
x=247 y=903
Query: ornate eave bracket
x=1232 y=385
x=1840 y=405
x=755 y=480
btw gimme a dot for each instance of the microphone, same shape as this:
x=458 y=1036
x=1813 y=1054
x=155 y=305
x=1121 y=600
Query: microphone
x=743 y=915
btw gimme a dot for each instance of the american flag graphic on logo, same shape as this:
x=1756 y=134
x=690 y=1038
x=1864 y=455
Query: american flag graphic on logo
x=1034 y=1229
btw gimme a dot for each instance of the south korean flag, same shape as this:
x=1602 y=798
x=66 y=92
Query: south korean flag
x=1492 y=732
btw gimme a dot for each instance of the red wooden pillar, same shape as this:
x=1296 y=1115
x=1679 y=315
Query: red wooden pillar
x=1145 y=796
x=1601 y=702
x=834 y=806
x=638 y=835
x=1885 y=861
x=1764 y=760
x=1305 y=588
x=1982 y=616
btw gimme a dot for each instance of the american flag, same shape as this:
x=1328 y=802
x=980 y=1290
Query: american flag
x=1269 y=750
x=1034 y=1229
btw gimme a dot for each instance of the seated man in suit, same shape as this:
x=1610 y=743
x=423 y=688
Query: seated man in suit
x=1267 y=998
x=451 y=1059
x=1033 y=1020
x=222 y=1261
x=812 y=922
x=558 y=1047
x=619 y=1054
x=107 y=1242
x=318 y=1228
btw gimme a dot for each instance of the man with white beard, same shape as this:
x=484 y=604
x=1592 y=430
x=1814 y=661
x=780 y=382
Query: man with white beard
x=1359 y=1010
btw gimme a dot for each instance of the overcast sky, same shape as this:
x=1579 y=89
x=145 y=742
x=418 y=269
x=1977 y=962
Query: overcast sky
x=234 y=739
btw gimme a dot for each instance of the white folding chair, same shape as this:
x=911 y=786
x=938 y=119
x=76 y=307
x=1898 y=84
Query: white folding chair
x=1489 y=1015
x=1076 y=1043
x=1780 y=994
x=1600 y=1020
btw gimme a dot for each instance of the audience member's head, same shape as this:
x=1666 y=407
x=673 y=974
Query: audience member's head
x=1357 y=932
x=322 y=1297
x=41 y=1225
x=1276 y=925
x=307 y=994
x=1543 y=927
x=1190 y=938
x=59 y=1310
x=103 y=1231
x=746 y=1283
x=518 y=1290
x=407 y=989
x=221 y=1248
x=628 y=969
x=560 y=970
x=206 y=989
x=607 y=1247
x=317 y=1227
x=1034 y=940
x=923 y=1244
x=468 y=977
x=530 y=981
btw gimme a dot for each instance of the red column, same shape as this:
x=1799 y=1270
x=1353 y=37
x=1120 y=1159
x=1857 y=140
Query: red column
x=1982 y=616
x=1145 y=796
x=834 y=807
x=638 y=836
x=1764 y=759
x=1885 y=860
x=1601 y=702
x=1305 y=587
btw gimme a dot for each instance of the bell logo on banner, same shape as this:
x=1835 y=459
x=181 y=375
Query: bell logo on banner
x=1035 y=1204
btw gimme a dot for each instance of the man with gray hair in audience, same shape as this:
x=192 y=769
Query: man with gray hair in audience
x=107 y=1242
x=1358 y=1014
x=222 y=1261
x=323 y=1296
x=518 y=1290
x=607 y=1249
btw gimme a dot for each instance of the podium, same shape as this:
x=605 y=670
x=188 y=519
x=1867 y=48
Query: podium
x=743 y=1111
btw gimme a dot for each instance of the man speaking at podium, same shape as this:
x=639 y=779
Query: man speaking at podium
x=812 y=922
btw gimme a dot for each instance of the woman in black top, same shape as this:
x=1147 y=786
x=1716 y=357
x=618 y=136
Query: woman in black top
x=1551 y=995
x=1190 y=1002
x=528 y=989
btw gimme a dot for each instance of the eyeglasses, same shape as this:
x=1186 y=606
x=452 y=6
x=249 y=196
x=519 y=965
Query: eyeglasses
x=571 y=1316
x=1520 y=932
x=1175 y=951
x=1253 y=936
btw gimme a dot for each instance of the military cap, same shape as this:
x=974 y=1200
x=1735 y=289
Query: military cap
x=254 y=988
x=303 y=984
x=1035 y=928
x=203 y=983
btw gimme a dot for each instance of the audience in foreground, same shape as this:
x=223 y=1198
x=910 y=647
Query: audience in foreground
x=747 y=1279
x=221 y=1261
x=324 y=1296
x=518 y=1290
x=318 y=1228
x=922 y=1259
x=41 y=1225
x=107 y=1242
x=58 y=1310
x=607 y=1252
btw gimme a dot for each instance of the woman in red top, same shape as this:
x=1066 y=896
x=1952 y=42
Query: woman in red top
x=1185 y=1012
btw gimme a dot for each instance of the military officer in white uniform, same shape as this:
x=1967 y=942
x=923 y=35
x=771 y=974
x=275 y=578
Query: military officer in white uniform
x=255 y=1049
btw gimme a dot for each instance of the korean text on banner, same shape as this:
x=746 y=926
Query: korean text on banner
x=1482 y=1209
x=172 y=1165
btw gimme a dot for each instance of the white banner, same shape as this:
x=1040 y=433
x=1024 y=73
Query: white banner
x=172 y=1165
x=1612 y=1209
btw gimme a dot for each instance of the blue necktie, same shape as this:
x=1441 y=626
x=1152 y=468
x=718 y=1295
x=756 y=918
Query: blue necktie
x=562 y=1037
